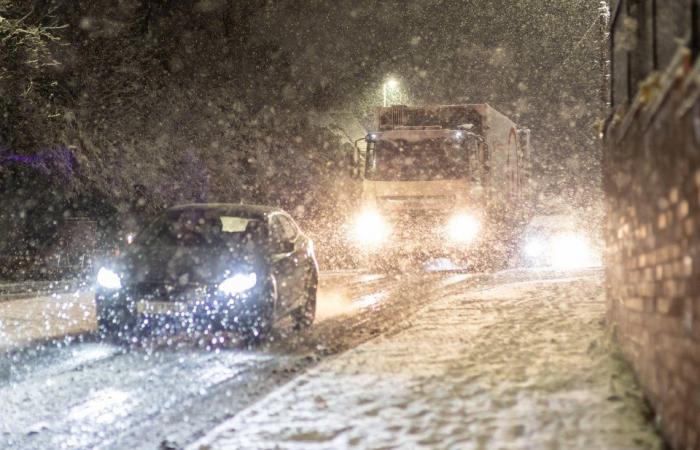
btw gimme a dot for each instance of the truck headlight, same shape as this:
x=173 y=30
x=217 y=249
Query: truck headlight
x=371 y=229
x=108 y=279
x=463 y=228
x=238 y=283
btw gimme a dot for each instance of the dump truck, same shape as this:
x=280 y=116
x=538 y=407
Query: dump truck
x=449 y=181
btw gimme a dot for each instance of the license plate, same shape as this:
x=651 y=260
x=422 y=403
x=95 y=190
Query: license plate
x=161 y=308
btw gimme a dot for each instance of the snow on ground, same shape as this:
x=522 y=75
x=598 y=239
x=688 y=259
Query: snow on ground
x=23 y=321
x=517 y=364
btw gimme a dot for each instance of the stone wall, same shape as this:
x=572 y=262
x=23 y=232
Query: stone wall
x=652 y=182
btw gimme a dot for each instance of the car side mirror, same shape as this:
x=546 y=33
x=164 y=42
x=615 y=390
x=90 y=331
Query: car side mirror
x=357 y=159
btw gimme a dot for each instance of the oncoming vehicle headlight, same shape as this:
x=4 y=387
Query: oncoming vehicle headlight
x=238 y=283
x=108 y=279
x=571 y=250
x=463 y=228
x=370 y=228
x=535 y=247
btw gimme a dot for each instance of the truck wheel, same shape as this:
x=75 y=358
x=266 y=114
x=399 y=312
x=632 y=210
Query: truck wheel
x=492 y=259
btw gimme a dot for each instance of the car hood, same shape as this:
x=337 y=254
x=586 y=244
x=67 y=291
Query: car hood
x=182 y=266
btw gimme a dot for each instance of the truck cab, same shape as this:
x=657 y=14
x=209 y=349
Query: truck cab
x=427 y=183
x=422 y=192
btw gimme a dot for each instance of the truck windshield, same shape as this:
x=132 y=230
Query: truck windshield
x=430 y=159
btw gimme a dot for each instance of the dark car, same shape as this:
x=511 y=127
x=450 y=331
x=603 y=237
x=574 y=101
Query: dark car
x=209 y=267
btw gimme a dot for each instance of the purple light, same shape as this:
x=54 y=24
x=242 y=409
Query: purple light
x=55 y=161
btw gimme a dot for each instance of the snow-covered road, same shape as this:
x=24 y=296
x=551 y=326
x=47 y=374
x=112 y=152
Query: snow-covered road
x=517 y=363
x=30 y=320
x=86 y=394
x=427 y=360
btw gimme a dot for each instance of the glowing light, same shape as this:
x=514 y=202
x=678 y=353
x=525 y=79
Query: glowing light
x=391 y=84
x=371 y=229
x=108 y=279
x=463 y=228
x=238 y=283
x=129 y=238
x=534 y=248
x=571 y=251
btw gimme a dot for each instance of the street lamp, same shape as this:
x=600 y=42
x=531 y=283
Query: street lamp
x=389 y=85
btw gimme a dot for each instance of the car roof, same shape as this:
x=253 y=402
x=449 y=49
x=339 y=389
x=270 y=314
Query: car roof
x=230 y=208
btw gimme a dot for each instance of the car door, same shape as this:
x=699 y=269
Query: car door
x=301 y=259
x=284 y=262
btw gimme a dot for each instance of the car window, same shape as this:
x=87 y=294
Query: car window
x=199 y=227
x=282 y=229
x=234 y=224
x=289 y=229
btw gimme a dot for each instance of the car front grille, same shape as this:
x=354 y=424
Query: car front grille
x=164 y=292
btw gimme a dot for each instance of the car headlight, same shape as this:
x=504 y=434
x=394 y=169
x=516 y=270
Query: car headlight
x=570 y=251
x=108 y=279
x=371 y=229
x=535 y=248
x=463 y=228
x=238 y=283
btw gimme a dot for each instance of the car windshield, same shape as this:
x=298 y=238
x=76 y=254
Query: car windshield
x=429 y=159
x=199 y=227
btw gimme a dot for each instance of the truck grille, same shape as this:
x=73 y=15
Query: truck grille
x=423 y=202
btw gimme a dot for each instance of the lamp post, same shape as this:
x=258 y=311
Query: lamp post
x=389 y=85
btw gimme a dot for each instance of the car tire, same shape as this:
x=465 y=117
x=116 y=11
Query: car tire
x=116 y=325
x=256 y=330
x=106 y=330
x=304 y=317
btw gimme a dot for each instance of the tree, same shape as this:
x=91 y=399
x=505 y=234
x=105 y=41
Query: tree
x=30 y=112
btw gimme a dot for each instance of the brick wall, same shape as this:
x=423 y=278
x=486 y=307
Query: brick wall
x=652 y=182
